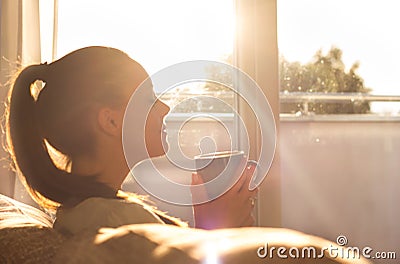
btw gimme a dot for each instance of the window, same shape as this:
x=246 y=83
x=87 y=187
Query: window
x=338 y=57
x=158 y=34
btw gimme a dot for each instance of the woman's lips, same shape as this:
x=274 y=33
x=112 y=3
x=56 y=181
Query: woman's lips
x=164 y=136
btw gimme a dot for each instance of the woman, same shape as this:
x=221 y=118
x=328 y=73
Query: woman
x=66 y=139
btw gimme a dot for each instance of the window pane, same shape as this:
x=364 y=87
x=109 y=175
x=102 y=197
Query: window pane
x=341 y=46
x=159 y=33
x=156 y=33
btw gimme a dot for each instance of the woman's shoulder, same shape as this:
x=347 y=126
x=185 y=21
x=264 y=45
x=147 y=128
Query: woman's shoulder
x=140 y=199
x=96 y=212
x=107 y=205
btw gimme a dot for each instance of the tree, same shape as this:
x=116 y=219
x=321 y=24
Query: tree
x=204 y=96
x=324 y=74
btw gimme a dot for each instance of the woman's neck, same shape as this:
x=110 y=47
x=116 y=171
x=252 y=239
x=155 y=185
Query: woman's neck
x=108 y=169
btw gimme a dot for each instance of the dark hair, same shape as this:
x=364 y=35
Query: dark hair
x=57 y=118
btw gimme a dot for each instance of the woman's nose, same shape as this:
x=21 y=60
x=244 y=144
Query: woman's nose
x=164 y=108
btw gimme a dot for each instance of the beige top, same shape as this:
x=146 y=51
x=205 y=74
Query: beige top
x=94 y=213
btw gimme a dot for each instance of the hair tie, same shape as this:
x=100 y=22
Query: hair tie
x=34 y=72
x=42 y=70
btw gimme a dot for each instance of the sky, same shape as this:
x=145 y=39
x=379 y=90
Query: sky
x=161 y=33
x=365 y=30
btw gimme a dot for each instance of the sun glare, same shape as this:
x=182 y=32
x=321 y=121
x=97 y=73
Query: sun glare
x=157 y=33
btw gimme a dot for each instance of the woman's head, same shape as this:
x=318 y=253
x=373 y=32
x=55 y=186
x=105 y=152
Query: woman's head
x=76 y=87
x=78 y=112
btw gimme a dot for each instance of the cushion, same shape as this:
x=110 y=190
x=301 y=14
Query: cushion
x=29 y=244
x=26 y=235
x=157 y=243
x=14 y=213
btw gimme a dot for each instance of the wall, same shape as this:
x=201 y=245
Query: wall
x=342 y=178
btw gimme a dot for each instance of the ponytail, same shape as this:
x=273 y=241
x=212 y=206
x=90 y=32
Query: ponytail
x=48 y=184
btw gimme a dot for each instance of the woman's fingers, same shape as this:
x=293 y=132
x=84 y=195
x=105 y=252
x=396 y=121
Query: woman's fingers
x=232 y=209
x=249 y=221
x=244 y=194
x=244 y=180
x=251 y=167
x=198 y=190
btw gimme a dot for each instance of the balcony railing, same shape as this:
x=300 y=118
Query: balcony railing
x=304 y=99
x=292 y=97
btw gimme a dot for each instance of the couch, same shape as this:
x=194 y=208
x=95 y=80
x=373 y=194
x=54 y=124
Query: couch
x=26 y=236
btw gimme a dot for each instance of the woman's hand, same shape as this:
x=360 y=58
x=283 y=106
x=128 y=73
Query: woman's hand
x=233 y=209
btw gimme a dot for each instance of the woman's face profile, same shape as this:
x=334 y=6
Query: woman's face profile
x=155 y=131
x=144 y=119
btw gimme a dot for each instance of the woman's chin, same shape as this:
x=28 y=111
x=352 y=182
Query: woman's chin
x=153 y=153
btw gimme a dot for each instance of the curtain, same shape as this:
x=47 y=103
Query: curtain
x=19 y=45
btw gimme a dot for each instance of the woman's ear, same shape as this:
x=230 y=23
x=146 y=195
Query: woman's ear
x=110 y=121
